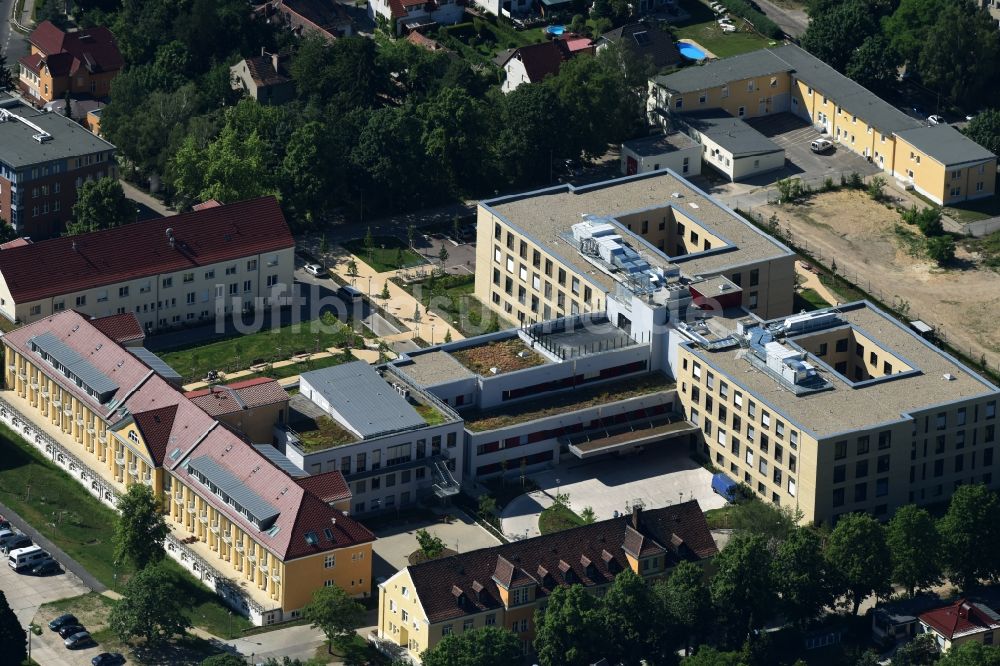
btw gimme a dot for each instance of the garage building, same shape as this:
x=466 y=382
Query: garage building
x=731 y=146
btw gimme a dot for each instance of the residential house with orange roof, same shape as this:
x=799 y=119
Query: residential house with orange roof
x=504 y=585
x=259 y=536
x=964 y=621
x=82 y=62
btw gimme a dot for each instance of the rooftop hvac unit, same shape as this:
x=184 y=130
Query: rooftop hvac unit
x=42 y=137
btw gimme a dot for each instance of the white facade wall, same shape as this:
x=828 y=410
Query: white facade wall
x=189 y=296
x=514 y=75
x=686 y=161
x=738 y=168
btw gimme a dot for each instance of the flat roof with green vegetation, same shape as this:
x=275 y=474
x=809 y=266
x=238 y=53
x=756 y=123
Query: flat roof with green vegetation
x=387 y=253
x=321 y=433
x=276 y=344
x=429 y=413
x=568 y=401
x=504 y=355
x=76 y=521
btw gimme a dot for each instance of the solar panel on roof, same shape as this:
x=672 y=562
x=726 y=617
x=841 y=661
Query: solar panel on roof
x=259 y=509
x=156 y=364
x=59 y=353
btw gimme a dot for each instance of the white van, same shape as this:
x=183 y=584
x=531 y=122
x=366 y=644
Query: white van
x=25 y=558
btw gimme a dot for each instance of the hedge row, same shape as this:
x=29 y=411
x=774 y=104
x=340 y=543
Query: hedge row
x=763 y=24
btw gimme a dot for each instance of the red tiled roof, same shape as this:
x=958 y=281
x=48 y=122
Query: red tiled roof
x=230 y=398
x=32 y=62
x=211 y=203
x=155 y=427
x=418 y=39
x=329 y=486
x=540 y=60
x=93 y=48
x=590 y=554
x=961 y=618
x=261 y=70
x=321 y=15
x=141 y=249
x=122 y=328
x=396 y=9
x=17 y=242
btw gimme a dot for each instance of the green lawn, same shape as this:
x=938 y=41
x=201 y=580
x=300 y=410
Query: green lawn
x=388 y=253
x=973 y=211
x=239 y=353
x=809 y=299
x=450 y=296
x=703 y=28
x=556 y=518
x=62 y=509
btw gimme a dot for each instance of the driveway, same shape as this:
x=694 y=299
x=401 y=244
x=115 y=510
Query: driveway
x=662 y=475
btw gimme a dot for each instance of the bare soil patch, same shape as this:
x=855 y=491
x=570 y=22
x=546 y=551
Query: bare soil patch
x=857 y=233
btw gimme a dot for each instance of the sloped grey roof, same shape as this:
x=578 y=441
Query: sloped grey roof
x=279 y=459
x=155 y=363
x=721 y=72
x=260 y=509
x=946 y=144
x=367 y=403
x=729 y=132
x=68 y=358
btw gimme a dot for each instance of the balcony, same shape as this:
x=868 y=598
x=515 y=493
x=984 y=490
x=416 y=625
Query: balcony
x=251 y=557
x=147 y=478
x=178 y=498
x=203 y=517
x=133 y=470
x=91 y=430
x=227 y=537
x=276 y=576
x=34 y=384
x=191 y=507
x=119 y=459
x=57 y=403
x=12 y=367
x=22 y=376
x=79 y=420
x=263 y=568
x=103 y=437
x=239 y=546
x=67 y=410
x=45 y=390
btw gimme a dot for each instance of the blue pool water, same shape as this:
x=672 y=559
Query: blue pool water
x=690 y=51
x=556 y=30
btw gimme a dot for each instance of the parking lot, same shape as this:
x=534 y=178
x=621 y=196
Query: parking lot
x=794 y=135
x=26 y=593
x=659 y=476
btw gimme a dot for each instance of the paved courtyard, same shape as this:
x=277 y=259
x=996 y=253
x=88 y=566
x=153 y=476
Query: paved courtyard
x=657 y=477
x=396 y=542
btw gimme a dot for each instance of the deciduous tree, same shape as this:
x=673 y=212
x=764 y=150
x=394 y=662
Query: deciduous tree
x=486 y=646
x=100 y=204
x=834 y=35
x=858 y=558
x=335 y=613
x=631 y=623
x=431 y=545
x=970 y=535
x=140 y=528
x=915 y=547
x=984 y=129
x=685 y=599
x=151 y=608
x=800 y=575
x=971 y=653
x=569 y=631
x=12 y=636
x=742 y=588
x=6 y=77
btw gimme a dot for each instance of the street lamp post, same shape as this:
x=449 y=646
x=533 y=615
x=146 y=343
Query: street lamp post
x=432 y=334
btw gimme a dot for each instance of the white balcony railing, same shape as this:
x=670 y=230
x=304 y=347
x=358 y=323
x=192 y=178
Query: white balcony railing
x=214 y=526
x=227 y=537
x=251 y=557
x=203 y=517
x=133 y=470
x=239 y=546
x=120 y=459
x=263 y=568
x=147 y=478
x=191 y=507
x=179 y=498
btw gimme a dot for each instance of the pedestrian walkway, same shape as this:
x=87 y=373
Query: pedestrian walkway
x=401 y=304
x=369 y=355
x=135 y=194
x=811 y=281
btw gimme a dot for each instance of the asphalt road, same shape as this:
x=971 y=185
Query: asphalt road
x=793 y=21
x=12 y=43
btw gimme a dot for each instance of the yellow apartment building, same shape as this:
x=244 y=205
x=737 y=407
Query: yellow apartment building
x=503 y=586
x=529 y=268
x=238 y=521
x=939 y=161
x=837 y=411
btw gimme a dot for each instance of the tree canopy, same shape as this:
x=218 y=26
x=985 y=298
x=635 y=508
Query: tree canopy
x=569 y=631
x=335 y=613
x=859 y=558
x=742 y=588
x=970 y=535
x=140 y=528
x=486 y=646
x=984 y=129
x=914 y=545
x=150 y=608
x=12 y=636
x=100 y=204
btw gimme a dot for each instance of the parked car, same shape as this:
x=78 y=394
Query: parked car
x=82 y=639
x=935 y=120
x=45 y=568
x=725 y=21
x=71 y=630
x=19 y=541
x=717 y=7
x=821 y=145
x=108 y=659
x=62 y=621
x=315 y=269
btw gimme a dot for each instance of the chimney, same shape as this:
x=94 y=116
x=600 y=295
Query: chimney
x=636 y=516
x=274 y=62
x=170 y=236
x=74 y=246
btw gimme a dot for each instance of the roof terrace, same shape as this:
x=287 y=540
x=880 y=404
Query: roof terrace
x=567 y=401
x=497 y=357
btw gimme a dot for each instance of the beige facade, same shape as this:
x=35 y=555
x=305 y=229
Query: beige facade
x=890 y=429
x=528 y=268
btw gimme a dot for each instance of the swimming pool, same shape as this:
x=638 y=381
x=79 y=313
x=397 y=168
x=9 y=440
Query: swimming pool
x=690 y=51
x=556 y=30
